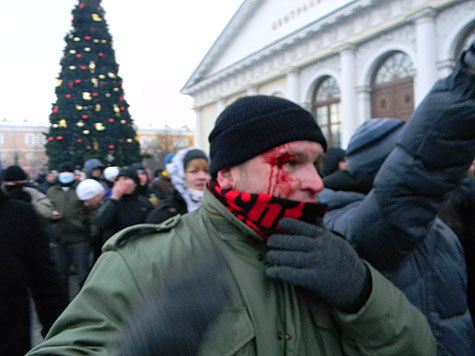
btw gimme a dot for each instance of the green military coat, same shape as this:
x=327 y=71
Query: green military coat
x=267 y=318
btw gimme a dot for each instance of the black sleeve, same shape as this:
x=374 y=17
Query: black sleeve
x=160 y=213
x=106 y=216
x=48 y=294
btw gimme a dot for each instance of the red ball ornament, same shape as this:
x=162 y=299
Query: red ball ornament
x=69 y=96
x=85 y=117
x=111 y=147
x=59 y=138
x=110 y=43
x=101 y=54
x=55 y=110
x=79 y=140
x=77 y=81
x=50 y=138
x=83 y=67
x=121 y=98
x=87 y=38
x=79 y=55
x=95 y=94
x=111 y=121
x=81 y=6
x=121 y=140
x=122 y=108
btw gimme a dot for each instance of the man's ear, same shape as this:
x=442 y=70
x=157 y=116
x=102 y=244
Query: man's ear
x=225 y=178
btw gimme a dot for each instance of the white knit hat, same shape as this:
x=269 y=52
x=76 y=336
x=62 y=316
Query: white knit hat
x=111 y=173
x=88 y=189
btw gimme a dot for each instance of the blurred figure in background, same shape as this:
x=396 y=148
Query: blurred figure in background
x=144 y=189
x=190 y=172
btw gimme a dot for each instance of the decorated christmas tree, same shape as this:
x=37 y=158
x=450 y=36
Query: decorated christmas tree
x=90 y=118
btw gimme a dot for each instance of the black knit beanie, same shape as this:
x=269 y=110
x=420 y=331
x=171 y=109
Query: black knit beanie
x=14 y=173
x=255 y=124
x=132 y=174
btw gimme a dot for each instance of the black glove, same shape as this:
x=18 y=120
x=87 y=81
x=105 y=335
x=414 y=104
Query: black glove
x=175 y=320
x=310 y=256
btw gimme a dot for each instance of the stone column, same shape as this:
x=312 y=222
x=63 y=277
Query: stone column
x=197 y=133
x=293 y=85
x=426 y=53
x=349 y=119
x=364 y=103
x=221 y=105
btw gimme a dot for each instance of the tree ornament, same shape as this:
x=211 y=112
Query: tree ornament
x=79 y=107
x=76 y=39
x=98 y=107
x=79 y=140
x=72 y=67
x=102 y=76
x=83 y=67
x=116 y=89
x=95 y=82
x=55 y=126
x=121 y=140
x=71 y=85
x=68 y=96
x=79 y=55
x=50 y=138
x=99 y=126
x=123 y=108
x=104 y=41
x=77 y=81
x=81 y=5
x=111 y=120
x=95 y=95
x=86 y=132
x=73 y=51
x=87 y=49
x=59 y=138
x=96 y=17
x=55 y=110
x=86 y=95
x=116 y=108
x=87 y=38
x=111 y=147
x=85 y=116
x=60 y=82
x=111 y=75
x=92 y=65
x=62 y=123
x=80 y=124
x=108 y=95
x=101 y=54
x=95 y=40
x=123 y=122
x=121 y=98
x=129 y=140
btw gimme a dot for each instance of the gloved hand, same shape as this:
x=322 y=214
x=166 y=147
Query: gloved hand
x=175 y=320
x=310 y=256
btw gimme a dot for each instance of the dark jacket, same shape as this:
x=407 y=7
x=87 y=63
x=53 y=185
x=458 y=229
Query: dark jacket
x=25 y=265
x=343 y=180
x=172 y=205
x=266 y=317
x=395 y=226
x=115 y=215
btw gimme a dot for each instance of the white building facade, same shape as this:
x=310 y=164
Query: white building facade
x=345 y=61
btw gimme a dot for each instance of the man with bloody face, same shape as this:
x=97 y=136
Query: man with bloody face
x=294 y=287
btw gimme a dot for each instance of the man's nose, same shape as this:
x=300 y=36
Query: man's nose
x=312 y=180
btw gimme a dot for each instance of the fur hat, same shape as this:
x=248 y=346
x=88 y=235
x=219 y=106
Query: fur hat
x=371 y=144
x=255 y=124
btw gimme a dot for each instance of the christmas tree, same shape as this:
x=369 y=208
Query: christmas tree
x=90 y=118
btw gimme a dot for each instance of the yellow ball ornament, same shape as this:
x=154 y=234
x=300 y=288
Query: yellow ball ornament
x=86 y=132
x=72 y=67
x=73 y=51
x=96 y=17
x=80 y=124
x=87 y=49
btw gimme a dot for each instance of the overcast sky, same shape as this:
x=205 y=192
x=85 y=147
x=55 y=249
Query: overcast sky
x=157 y=44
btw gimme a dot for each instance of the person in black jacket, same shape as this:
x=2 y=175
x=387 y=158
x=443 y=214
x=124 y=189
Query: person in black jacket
x=125 y=206
x=190 y=172
x=26 y=265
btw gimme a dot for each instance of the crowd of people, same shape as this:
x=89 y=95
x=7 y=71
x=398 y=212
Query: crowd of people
x=274 y=244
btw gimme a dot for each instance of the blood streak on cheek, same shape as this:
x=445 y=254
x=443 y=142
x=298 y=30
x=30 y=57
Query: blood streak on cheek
x=279 y=183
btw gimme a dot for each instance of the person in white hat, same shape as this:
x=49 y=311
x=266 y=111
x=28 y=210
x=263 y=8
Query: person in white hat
x=92 y=193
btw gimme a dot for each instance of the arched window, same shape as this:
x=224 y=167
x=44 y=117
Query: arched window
x=465 y=41
x=392 y=89
x=326 y=108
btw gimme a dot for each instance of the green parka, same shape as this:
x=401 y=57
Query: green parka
x=267 y=318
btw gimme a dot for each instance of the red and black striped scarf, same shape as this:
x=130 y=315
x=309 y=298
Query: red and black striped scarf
x=262 y=212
